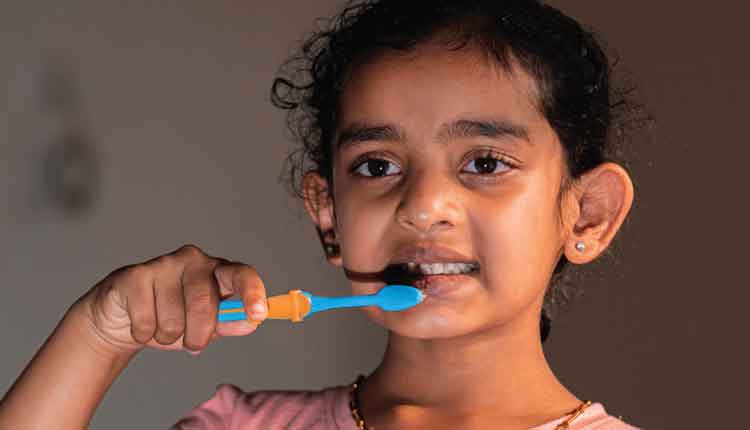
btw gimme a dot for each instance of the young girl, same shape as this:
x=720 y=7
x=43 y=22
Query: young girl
x=469 y=137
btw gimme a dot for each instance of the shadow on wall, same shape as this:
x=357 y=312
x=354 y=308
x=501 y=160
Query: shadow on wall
x=64 y=162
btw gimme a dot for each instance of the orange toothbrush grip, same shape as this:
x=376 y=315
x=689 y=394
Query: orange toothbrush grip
x=292 y=306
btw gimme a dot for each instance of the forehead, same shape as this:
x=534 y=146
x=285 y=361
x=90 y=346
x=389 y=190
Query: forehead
x=424 y=88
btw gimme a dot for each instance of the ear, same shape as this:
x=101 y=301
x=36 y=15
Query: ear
x=598 y=205
x=319 y=205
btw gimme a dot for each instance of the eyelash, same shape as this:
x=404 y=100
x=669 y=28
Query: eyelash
x=486 y=154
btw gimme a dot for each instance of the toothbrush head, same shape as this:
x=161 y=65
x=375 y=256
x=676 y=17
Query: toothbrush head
x=399 y=297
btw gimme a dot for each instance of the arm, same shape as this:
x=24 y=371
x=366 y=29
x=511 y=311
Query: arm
x=170 y=303
x=65 y=381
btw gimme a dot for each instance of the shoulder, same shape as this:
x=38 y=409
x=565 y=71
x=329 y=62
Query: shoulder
x=596 y=417
x=232 y=408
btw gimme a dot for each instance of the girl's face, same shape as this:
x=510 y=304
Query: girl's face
x=440 y=157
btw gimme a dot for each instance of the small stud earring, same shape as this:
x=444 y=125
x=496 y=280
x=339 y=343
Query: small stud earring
x=332 y=250
x=580 y=246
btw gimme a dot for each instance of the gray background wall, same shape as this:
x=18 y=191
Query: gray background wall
x=174 y=95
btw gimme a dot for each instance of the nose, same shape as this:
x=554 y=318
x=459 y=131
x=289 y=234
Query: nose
x=429 y=203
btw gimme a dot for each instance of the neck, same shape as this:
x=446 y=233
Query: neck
x=500 y=371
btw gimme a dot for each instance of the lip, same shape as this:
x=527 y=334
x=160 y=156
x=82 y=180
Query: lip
x=436 y=286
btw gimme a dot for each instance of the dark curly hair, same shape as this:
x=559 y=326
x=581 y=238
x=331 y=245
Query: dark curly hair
x=567 y=62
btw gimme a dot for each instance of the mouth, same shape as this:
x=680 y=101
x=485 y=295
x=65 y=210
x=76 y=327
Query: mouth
x=427 y=276
x=447 y=268
x=434 y=269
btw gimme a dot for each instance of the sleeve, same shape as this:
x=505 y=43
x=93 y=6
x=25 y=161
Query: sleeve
x=213 y=414
x=230 y=408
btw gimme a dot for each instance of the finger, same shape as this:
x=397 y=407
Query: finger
x=201 y=295
x=139 y=296
x=236 y=328
x=244 y=281
x=224 y=291
x=174 y=346
x=170 y=305
x=223 y=273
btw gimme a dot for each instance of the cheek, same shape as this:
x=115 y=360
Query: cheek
x=362 y=226
x=517 y=241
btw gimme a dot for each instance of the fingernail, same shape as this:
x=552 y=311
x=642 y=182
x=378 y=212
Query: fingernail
x=193 y=353
x=259 y=309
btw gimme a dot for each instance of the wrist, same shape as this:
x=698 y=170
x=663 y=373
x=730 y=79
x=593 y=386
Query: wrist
x=81 y=316
x=67 y=378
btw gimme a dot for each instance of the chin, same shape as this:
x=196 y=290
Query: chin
x=423 y=323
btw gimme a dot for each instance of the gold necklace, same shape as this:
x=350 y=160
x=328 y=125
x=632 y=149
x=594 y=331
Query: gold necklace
x=359 y=419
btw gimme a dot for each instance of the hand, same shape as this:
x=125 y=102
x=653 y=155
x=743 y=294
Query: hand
x=171 y=302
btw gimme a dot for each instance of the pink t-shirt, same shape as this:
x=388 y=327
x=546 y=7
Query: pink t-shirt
x=230 y=408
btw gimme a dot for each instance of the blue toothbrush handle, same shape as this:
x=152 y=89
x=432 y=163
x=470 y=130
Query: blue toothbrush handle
x=325 y=303
x=231 y=304
x=239 y=316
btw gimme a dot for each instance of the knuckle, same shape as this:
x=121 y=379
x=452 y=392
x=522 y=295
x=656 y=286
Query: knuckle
x=191 y=251
x=119 y=271
x=196 y=344
x=249 y=276
x=165 y=339
x=171 y=327
x=201 y=304
x=142 y=319
x=198 y=283
x=220 y=261
x=191 y=345
x=249 y=270
x=167 y=261
x=143 y=329
x=136 y=273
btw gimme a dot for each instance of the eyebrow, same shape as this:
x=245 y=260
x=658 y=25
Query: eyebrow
x=360 y=132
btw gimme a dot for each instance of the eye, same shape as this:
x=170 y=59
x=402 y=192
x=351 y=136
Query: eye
x=376 y=167
x=488 y=164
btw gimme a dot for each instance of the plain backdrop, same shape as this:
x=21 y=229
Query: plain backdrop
x=174 y=96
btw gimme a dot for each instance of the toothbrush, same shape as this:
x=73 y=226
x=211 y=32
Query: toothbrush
x=299 y=304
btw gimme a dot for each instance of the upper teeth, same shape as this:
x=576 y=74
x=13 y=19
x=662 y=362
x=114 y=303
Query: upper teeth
x=441 y=268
